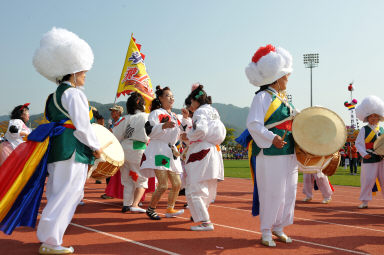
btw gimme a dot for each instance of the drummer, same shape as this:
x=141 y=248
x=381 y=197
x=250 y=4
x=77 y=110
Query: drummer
x=71 y=151
x=370 y=110
x=269 y=123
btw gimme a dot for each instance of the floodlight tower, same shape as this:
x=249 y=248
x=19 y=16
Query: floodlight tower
x=311 y=61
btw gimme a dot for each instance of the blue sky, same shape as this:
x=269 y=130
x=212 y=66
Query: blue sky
x=206 y=41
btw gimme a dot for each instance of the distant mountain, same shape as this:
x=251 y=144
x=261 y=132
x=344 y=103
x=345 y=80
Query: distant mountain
x=4 y=117
x=232 y=116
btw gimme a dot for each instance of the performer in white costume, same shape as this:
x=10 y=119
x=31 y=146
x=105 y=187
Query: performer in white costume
x=17 y=130
x=131 y=133
x=322 y=183
x=161 y=158
x=370 y=110
x=65 y=58
x=204 y=161
x=269 y=123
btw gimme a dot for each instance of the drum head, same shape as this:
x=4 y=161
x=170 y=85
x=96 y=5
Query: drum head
x=114 y=153
x=319 y=131
x=378 y=145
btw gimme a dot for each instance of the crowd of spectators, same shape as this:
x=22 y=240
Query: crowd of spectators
x=235 y=153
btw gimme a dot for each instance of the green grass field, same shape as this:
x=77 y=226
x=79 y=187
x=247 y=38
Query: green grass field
x=240 y=169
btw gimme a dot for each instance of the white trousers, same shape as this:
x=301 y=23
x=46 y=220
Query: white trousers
x=129 y=184
x=64 y=191
x=368 y=175
x=321 y=181
x=199 y=196
x=277 y=184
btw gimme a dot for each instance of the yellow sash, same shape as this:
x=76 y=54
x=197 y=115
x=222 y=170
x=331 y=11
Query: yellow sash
x=372 y=134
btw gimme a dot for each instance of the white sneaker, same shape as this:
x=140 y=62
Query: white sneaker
x=327 y=200
x=268 y=242
x=203 y=227
x=363 y=206
x=137 y=209
x=282 y=237
x=307 y=199
x=50 y=249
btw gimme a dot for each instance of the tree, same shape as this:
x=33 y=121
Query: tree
x=229 y=138
x=4 y=126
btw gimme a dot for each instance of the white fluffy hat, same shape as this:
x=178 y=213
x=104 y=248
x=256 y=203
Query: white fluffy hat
x=370 y=105
x=62 y=52
x=268 y=65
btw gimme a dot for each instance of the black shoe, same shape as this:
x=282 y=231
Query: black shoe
x=182 y=192
x=98 y=182
x=191 y=219
x=152 y=214
x=125 y=209
x=105 y=196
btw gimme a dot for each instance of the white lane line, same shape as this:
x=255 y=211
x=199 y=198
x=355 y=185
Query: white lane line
x=314 y=208
x=342 y=225
x=250 y=200
x=124 y=239
x=350 y=212
x=299 y=241
x=255 y=232
x=119 y=237
x=324 y=222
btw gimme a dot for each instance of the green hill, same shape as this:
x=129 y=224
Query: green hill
x=232 y=116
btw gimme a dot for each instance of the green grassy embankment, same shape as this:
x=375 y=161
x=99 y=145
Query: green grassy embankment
x=240 y=169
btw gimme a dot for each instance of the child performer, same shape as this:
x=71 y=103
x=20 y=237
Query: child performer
x=204 y=161
x=370 y=110
x=131 y=133
x=269 y=123
x=161 y=158
x=322 y=183
x=17 y=130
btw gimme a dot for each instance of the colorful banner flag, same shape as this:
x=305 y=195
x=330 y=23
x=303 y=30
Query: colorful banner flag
x=134 y=75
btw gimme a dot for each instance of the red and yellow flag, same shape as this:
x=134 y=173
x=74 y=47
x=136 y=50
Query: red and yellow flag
x=134 y=75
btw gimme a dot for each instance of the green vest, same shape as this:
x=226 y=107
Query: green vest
x=374 y=158
x=281 y=113
x=63 y=146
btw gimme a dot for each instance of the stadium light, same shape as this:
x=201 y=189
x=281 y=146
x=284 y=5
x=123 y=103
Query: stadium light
x=311 y=61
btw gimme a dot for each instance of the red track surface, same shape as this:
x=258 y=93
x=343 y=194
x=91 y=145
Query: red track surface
x=99 y=227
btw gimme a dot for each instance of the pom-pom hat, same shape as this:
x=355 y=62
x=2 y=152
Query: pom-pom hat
x=62 y=52
x=268 y=64
x=370 y=105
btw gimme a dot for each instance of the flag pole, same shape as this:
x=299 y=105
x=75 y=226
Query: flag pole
x=114 y=102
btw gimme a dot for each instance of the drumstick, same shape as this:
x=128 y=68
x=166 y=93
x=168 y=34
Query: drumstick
x=285 y=133
x=106 y=145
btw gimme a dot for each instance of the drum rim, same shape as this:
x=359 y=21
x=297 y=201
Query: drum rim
x=105 y=156
x=379 y=144
x=338 y=156
x=342 y=130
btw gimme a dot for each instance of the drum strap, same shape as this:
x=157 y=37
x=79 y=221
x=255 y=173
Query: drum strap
x=370 y=137
x=68 y=123
x=372 y=134
x=278 y=123
x=58 y=107
x=284 y=101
